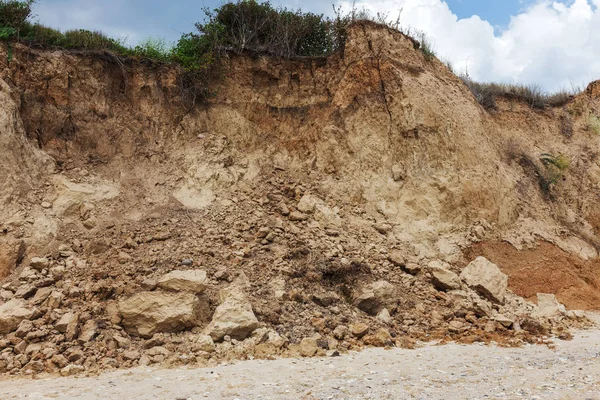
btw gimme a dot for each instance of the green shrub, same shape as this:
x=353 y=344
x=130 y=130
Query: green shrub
x=487 y=93
x=594 y=124
x=83 y=39
x=153 y=48
x=13 y=15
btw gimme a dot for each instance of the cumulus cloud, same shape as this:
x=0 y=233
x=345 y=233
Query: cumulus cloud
x=551 y=44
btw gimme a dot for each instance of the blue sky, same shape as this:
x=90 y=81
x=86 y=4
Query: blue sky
x=137 y=19
x=553 y=43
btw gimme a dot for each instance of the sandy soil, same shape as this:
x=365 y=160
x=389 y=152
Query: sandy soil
x=569 y=371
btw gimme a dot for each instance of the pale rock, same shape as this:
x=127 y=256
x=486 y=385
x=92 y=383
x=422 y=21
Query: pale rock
x=131 y=355
x=308 y=203
x=194 y=281
x=374 y=297
x=124 y=257
x=504 y=320
x=41 y=295
x=146 y=313
x=441 y=277
x=549 y=306
x=12 y=313
x=383 y=228
x=298 y=216
x=122 y=343
x=89 y=331
x=206 y=343
x=24 y=328
x=234 y=317
x=384 y=316
x=486 y=278
x=54 y=300
x=325 y=299
x=68 y=324
x=308 y=347
x=6 y=294
x=340 y=332
x=39 y=263
x=28 y=274
x=359 y=329
x=71 y=369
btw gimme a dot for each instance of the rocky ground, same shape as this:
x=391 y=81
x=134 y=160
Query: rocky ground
x=562 y=370
x=157 y=292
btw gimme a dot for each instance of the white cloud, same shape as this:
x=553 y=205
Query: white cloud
x=551 y=44
x=87 y=14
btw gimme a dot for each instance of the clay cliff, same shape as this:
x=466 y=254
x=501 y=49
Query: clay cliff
x=333 y=200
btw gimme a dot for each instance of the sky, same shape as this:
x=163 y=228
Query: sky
x=553 y=44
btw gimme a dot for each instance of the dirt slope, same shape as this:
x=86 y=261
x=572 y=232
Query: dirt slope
x=305 y=180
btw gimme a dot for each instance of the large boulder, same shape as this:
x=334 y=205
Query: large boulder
x=375 y=297
x=234 y=317
x=442 y=278
x=184 y=281
x=147 y=313
x=12 y=313
x=486 y=279
x=549 y=306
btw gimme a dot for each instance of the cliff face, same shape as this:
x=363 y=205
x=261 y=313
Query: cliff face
x=290 y=166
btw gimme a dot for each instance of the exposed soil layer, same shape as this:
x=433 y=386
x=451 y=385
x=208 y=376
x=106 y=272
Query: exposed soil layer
x=545 y=269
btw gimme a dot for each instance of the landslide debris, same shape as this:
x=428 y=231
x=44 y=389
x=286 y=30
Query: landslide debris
x=302 y=211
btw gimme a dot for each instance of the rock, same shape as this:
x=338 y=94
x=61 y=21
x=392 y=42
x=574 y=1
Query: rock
x=374 y=297
x=308 y=347
x=54 y=300
x=442 y=278
x=72 y=369
x=298 y=216
x=123 y=257
x=486 y=279
x=380 y=338
x=205 y=343
x=384 y=316
x=383 y=228
x=308 y=203
x=39 y=263
x=332 y=353
x=89 y=331
x=504 y=320
x=41 y=295
x=28 y=274
x=12 y=313
x=325 y=299
x=397 y=258
x=184 y=281
x=359 y=329
x=59 y=360
x=122 y=343
x=146 y=313
x=25 y=291
x=131 y=355
x=187 y=262
x=234 y=317
x=24 y=328
x=412 y=268
x=548 y=306
x=68 y=324
x=340 y=332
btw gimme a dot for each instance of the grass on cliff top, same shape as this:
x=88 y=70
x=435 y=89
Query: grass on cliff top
x=244 y=26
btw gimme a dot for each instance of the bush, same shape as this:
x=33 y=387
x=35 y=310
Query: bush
x=13 y=15
x=487 y=93
x=153 y=48
x=83 y=39
x=594 y=124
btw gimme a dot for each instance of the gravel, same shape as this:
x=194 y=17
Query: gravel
x=569 y=371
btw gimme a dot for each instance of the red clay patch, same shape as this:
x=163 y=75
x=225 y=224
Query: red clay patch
x=545 y=269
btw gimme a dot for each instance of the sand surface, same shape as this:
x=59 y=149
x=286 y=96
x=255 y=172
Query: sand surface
x=569 y=371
